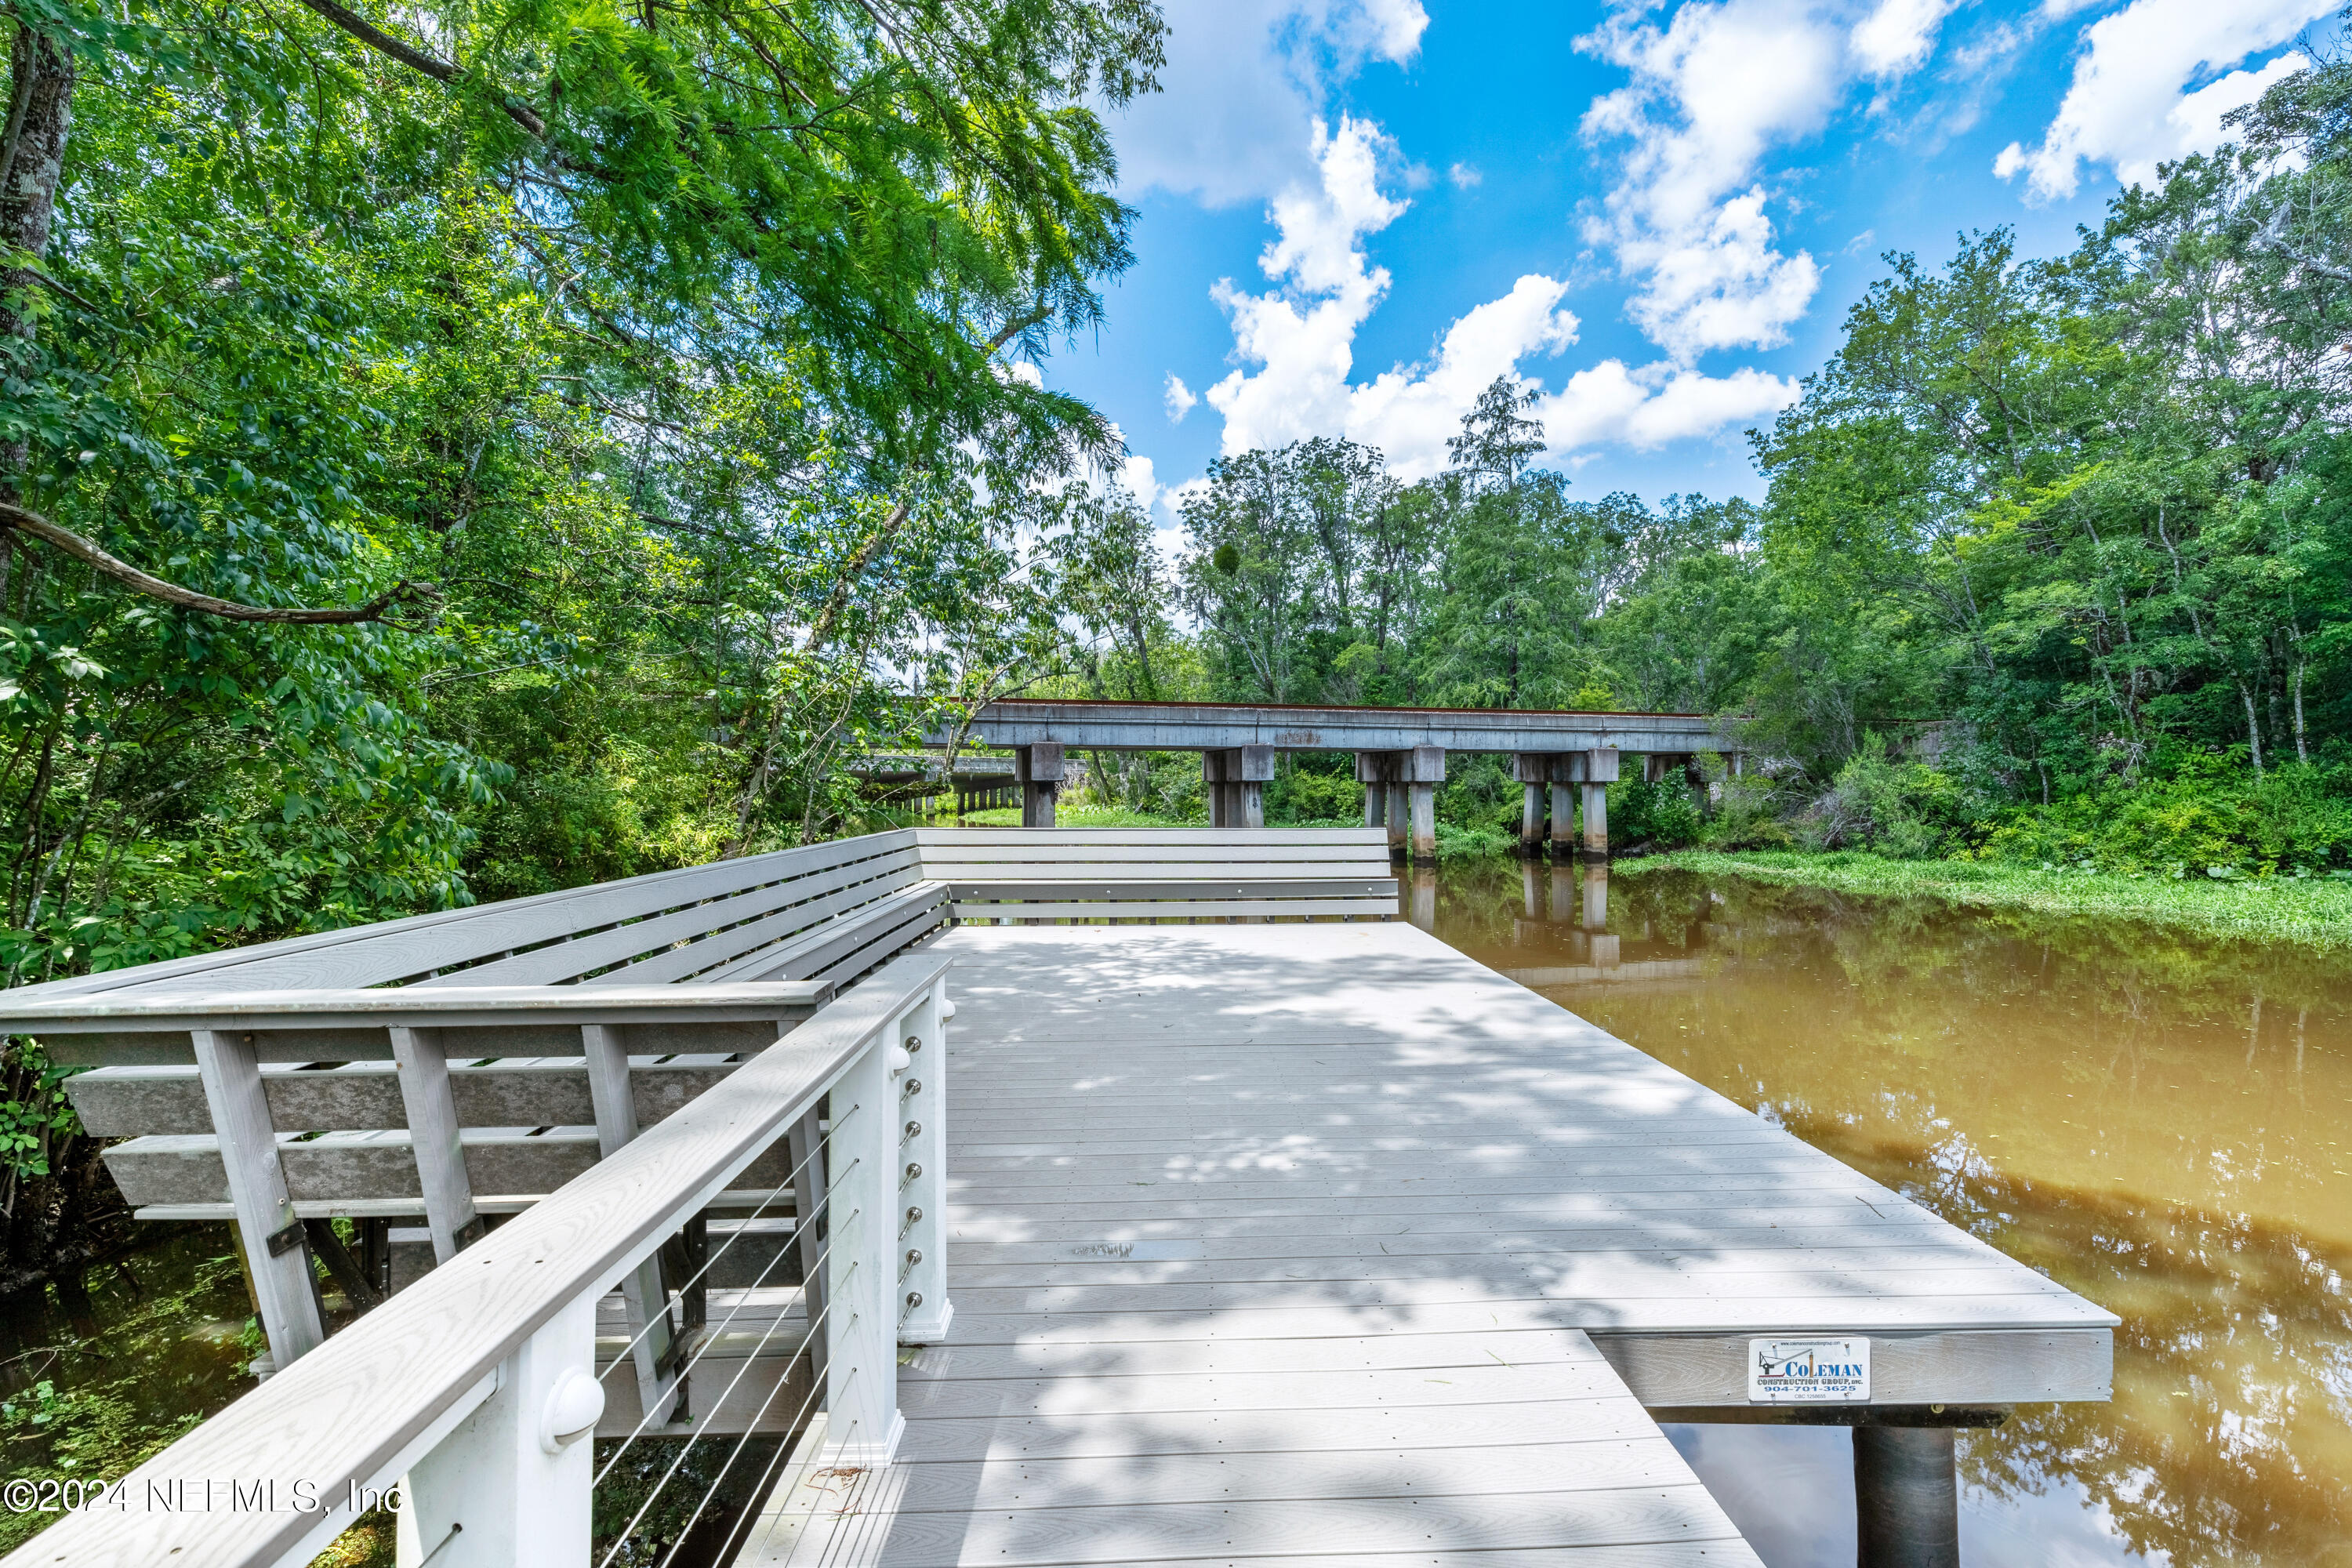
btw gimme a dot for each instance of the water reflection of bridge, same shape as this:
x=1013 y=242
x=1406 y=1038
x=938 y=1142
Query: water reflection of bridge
x=1564 y=907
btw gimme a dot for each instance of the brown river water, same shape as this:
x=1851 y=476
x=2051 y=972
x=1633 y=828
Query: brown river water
x=2160 y=1122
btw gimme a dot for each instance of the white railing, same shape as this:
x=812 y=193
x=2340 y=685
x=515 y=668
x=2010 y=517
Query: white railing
x=476 y=1390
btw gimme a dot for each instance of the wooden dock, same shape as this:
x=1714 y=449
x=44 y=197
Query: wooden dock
x=1324 y=1242
x=1293 y=1234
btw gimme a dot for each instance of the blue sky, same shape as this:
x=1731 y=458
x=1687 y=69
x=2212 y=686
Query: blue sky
x=1353 y=214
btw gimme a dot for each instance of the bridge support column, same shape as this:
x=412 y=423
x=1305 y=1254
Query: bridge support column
x=1236 y=778
x=1425 y=766
x=1534 y=770
x=1372 y=771
x=1039 y=770
x=1600 y=772
x=1567 y=772
x=1907 y=1497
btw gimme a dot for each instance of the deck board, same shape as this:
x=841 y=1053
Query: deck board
x=1324 y=1242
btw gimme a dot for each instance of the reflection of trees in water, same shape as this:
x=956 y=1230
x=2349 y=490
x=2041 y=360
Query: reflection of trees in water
x=2111 y=968
x=2229 y=1439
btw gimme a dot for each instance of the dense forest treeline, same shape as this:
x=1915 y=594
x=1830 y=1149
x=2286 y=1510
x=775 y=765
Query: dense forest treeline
x=2051 y=565
x=540 y=445
x=487 y=448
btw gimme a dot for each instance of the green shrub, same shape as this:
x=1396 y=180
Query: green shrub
x=1748 y=814
x=1473 y=843
x=1303 y=796
x=2209 y=818
x=1653 y=815
x=1908 y=811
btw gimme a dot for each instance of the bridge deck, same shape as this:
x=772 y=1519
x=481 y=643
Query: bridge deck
x=1324 y=1243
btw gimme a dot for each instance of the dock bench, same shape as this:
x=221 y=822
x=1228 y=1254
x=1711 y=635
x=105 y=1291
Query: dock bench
x=530 y=1038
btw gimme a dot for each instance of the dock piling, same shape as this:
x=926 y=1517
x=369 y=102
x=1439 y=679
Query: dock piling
x=1907 y=1497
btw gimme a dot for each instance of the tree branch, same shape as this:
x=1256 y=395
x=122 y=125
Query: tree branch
x=822 y=632
x=1018 y=325
x=439 y=69
x=2271 y=236
x=33 y=525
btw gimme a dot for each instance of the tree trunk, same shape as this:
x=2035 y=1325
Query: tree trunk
x=32 y=157
x=2302 y=748
x=2254 y=726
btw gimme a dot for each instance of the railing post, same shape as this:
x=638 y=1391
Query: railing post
x=924 y=1309
x=277 y=1252
x=861 y=1354
x=510 y=1487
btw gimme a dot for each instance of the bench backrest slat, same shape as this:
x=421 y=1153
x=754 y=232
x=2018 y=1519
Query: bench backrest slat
x=399 y=950
x=693 y=960
x=561 y=962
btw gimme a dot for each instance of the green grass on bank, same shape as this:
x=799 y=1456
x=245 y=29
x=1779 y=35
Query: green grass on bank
x=1067 y=814
x=2312 y=912
x=1452 y=843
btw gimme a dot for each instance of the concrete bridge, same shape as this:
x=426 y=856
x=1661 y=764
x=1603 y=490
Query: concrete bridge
x=1400 y=755
x=981 y=781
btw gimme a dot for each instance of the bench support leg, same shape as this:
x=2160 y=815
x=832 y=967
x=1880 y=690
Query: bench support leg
x=641 y=1287
x=434 y=1138
x=806 y=1147
x=1907 y=1497
x=277 y=1252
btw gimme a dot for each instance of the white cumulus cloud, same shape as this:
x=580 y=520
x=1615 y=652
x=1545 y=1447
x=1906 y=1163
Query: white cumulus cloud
x=1241 y=87
x=2127 y=106
x=1179 y=398
x=1140 y=479
x=1897 y=35
x=1295 y=343
x=1712 y=91
x=1648 y=406
x=1724 y=286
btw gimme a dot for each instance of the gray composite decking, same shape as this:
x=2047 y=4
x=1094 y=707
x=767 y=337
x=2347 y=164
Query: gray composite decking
x=1324 y=1242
